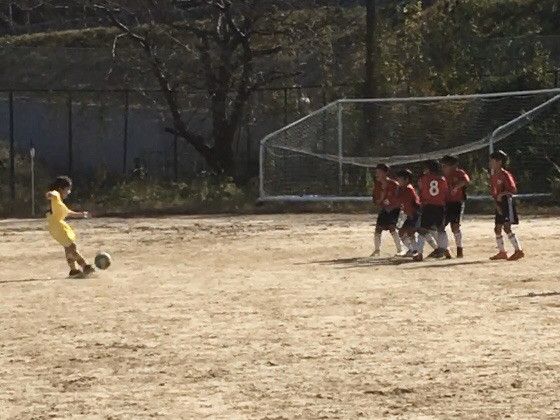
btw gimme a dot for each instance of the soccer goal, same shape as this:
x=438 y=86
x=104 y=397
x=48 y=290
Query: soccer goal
x=329 y=154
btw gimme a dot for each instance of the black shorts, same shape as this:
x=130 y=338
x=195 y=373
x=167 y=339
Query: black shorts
x=454 y=212
x=509 y=212
x=411 y=222
x=432 y=217
x=387 y=218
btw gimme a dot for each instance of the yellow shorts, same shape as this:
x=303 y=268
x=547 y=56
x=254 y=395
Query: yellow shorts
x=62 y=233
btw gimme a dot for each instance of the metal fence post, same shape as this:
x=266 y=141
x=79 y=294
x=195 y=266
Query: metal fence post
x=340 y=151
x=32 y=155
x=175 y=158
x=285 y=106
x=125 y=135
x=12 y=149
x=70 y=135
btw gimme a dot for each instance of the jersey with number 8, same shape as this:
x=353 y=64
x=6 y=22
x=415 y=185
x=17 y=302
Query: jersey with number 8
x=433 y=190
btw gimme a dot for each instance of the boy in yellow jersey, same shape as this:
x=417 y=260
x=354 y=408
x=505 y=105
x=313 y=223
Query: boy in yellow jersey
x=60 y=230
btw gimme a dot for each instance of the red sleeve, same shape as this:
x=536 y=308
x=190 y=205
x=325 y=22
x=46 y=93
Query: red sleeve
x=510 y=184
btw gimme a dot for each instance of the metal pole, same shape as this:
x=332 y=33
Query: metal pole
x=125 y=135
x=285 y=106
x=261 y=168
x=12 y=149
x=70 y=135
x=340 y=151
x=175 y=159
x=32 y=154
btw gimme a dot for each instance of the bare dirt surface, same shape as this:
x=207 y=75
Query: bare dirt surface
x=276 y=317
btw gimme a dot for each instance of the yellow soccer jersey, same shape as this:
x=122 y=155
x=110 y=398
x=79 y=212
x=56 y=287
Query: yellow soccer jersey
x=58 y=228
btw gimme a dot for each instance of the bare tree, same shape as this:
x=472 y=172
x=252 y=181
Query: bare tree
x=235 y=45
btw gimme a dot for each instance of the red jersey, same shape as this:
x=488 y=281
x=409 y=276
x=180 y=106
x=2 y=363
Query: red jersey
x=456 y=177
x=409 y=200
x=433 y=189
x=502 y=181
x=386 y=197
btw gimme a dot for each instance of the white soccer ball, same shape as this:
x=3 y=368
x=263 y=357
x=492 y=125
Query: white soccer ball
x=103 y=260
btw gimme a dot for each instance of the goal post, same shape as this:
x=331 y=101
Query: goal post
x=329 y=154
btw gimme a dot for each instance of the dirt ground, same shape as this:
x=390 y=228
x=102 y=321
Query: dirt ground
x=276 y=317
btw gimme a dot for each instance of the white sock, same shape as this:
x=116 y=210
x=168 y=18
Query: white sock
x=414 y=242
x=500 y=242
x=431 y=241
x=409 y=242
x=458 y=239
x=377 y=241
x=397 y=240
x=421 y=242
x=443 y=240
x=514 y=241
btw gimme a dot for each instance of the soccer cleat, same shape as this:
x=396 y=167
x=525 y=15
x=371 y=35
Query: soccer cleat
x=499 y=256
x=88 y=269
x=375 y=253
x=459 y=252
x=410 y=253
x=517 y=255
x=435 y=254
x=447 y=255
x=74 y=274
x=418 y=257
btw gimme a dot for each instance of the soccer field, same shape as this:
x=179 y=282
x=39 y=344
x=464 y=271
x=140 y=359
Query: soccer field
x=276 y=316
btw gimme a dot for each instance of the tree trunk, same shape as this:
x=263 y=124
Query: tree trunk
x=370 y=85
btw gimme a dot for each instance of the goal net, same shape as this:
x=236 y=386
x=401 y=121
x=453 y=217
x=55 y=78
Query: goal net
x=329 y=154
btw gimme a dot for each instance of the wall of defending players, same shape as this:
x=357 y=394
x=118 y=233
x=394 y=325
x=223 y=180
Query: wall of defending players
x=414 y=217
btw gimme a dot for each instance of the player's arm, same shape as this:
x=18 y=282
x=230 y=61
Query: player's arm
x=463 y=182
x=79 y=214
x=510 y=188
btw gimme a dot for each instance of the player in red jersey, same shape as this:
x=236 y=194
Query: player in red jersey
x=385 y=196
x=410 y=204
x=503 y=189
x=457 y=181
x=433 y=194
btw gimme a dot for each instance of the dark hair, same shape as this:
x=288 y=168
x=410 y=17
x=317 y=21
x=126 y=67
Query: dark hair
x=449 y=160
x=382 y=167
x=61 y=183
x=405 y=173
x=433 y=166
x=500 y=155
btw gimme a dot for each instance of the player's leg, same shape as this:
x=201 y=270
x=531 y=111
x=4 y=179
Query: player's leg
x=430 y=240
x=456 y=229
x=407 y=235
x=86 y=268
x=501 y=255
x=443 y=243
x=425 y=230
x=510 y=212
x=518 y=252
x=455 y=217
x=423 y=233
x=396 y=238
x=392 y=227
x=377 y=241
x=72 y=263
x=380 y=226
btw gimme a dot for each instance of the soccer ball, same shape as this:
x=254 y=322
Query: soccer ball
x=103 y=260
